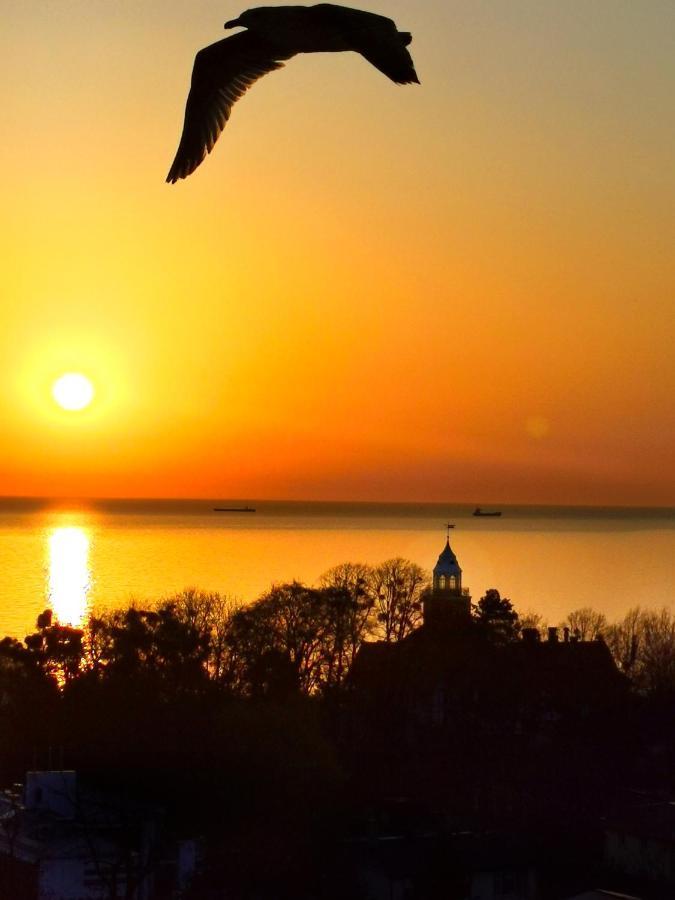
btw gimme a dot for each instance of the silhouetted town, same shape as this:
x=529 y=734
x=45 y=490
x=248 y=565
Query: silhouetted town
x=378 y=737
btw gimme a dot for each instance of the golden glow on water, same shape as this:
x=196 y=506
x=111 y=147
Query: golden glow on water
x=75 y=558
x=69 y=574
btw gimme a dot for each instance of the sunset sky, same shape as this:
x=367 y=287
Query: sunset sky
x=458 y=291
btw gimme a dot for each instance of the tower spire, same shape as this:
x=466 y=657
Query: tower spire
x=447 y=602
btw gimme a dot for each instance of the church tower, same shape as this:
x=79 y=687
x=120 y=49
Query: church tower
x=447 y=603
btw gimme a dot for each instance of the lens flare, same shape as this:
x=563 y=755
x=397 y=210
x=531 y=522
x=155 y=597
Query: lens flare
x=537 y=427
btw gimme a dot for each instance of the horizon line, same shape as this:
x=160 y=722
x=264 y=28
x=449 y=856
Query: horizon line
x=341 y=502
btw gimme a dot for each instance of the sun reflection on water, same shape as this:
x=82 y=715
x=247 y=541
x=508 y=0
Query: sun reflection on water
x=69 y=575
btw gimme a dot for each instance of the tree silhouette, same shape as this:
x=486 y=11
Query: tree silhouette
x=397 y=586
x=625 y=640
x=349 y=610
x=155 y=646
x=279 y=637
x=210 y=614
x=496 y=615
x=586 y=623
x=28 y=704
x=57 y=649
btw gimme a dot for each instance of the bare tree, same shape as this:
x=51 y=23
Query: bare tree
x=625 y=640
x=534 y=620
x=353 y=577
x=211 y=614
x=277 y=642
x=658 y=653
x=349 y=609
x=643 y=645
x=586 y=623
x=397 y=586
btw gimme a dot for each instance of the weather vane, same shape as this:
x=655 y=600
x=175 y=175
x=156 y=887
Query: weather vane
x=448 y=526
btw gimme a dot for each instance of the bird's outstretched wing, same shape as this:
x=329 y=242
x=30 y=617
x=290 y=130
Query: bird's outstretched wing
x=222 y=73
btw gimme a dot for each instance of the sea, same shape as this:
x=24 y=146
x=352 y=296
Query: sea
x=75 y=556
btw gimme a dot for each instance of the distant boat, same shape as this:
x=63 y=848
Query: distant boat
x=479 y=512
x=233 y=509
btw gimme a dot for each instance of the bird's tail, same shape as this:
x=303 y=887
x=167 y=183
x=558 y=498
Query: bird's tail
x=395 y=62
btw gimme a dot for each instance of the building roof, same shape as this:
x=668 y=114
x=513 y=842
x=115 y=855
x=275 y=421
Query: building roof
x=447 y=562
x=567 y=675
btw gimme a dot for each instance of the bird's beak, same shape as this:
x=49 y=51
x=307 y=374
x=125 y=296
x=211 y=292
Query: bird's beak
x=233 y=23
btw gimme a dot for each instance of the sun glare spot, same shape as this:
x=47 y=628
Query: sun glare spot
x=73 y=391
x=537 y=427
x=69 y=576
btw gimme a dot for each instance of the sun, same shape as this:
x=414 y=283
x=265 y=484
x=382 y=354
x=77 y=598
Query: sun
x=73 y=391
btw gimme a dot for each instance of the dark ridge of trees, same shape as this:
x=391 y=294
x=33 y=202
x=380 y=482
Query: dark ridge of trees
x=298 y=639
x=293 y=639
x=236 y=718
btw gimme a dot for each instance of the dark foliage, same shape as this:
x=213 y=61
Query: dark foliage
x=244 y=725
x=496 y=616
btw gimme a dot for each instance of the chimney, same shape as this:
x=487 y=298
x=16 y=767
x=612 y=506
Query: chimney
x=553 y=635
x=531 y=635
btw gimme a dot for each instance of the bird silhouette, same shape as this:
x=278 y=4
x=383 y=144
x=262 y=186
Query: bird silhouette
x=224 y=71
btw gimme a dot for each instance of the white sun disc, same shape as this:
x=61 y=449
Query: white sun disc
x=73 y=391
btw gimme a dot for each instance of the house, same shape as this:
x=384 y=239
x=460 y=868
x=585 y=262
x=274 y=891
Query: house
x=464 y=865
x=640 y=842
x=59 y=841
x=502 y=734
x=448 y=673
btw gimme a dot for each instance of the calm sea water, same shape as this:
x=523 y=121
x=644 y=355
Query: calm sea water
x=551 y=560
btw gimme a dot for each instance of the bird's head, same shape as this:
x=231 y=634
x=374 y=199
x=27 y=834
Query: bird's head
x=247 y=19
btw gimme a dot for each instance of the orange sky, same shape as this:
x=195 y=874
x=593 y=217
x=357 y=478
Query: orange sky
x=459 y=291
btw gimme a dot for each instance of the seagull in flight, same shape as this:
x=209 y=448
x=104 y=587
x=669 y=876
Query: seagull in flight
x=224 y=71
